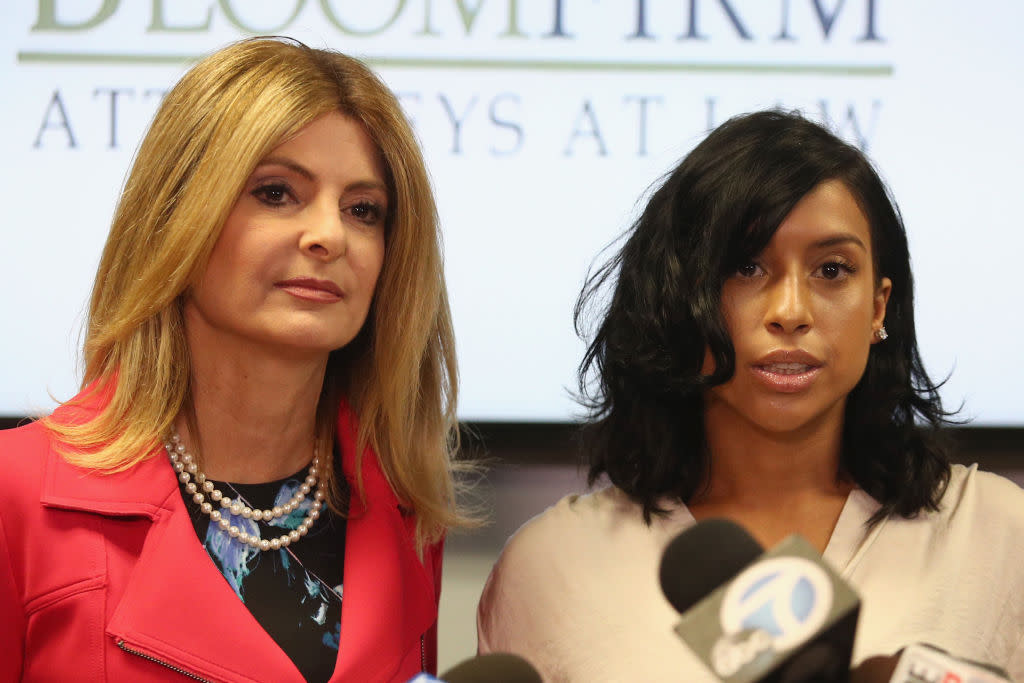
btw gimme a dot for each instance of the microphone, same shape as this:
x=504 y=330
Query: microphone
x=783 y=616
x=499 y=667
x=921 y=663
x=702 y=558
x=494 y=667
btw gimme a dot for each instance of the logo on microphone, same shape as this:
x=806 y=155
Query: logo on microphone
x=773 y=605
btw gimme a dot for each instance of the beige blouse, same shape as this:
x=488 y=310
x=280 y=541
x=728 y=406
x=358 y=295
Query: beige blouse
x=576 y=589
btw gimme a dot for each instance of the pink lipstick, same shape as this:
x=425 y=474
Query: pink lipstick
x=787 y=371
x=312 y=289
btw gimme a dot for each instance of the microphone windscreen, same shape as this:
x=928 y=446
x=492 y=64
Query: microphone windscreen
x=496 y=667
x=704 y=557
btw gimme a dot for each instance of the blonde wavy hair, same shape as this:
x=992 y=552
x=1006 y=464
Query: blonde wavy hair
x=399 y=374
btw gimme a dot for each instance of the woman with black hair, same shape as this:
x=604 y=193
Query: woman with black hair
x=758 y=361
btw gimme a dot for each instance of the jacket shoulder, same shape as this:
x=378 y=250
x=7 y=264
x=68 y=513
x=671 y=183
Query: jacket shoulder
x=23 y=452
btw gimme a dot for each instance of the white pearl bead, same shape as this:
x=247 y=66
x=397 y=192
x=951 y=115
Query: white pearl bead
x=196 y=483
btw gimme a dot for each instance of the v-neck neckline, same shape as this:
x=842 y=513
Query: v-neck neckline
x=850 y=537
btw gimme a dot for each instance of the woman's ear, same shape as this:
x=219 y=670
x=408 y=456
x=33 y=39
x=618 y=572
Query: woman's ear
x=881 y=300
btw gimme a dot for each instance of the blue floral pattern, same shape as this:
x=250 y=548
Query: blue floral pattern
x=295 y=592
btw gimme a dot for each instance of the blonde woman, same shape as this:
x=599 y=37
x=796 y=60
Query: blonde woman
x=255 y=480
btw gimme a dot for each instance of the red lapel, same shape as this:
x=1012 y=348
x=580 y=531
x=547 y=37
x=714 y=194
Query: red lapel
x=389 y=595
x=177 y=606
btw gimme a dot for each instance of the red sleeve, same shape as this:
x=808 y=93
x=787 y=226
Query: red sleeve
x=12 y=625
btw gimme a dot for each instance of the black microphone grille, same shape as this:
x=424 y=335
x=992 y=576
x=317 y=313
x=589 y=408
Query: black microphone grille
x=704 y=557
x=496 y=667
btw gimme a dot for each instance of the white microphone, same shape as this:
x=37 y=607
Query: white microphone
x=921 y=663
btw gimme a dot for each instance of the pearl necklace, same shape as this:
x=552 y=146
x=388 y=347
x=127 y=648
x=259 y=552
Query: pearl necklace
x=184 y=464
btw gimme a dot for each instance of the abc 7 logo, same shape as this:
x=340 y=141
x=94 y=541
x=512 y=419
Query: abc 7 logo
x=787 y=597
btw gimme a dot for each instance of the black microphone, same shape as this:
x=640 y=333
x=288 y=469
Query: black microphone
x=783 y=616
x=494 y=667
x=499 y=667
x=702 y=558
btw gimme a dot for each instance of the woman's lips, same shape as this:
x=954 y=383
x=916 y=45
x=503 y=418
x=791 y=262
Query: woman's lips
x=787 y=368
x=309 y=289
x=786 y=377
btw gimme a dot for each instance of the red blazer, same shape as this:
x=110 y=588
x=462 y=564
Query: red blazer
x=102 y=574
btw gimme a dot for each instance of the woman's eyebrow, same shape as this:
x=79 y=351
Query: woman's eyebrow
x=289 y=164
x=370 y=184
x=836 y=240
x=367 y=185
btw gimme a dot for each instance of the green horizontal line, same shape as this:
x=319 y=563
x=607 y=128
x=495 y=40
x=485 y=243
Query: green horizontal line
x=634 y=67
x=32 y=57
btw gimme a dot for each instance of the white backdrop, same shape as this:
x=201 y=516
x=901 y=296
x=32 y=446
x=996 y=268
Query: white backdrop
x=544 y=123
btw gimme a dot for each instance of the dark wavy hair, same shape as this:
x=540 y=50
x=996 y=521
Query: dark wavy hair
x=640 y=379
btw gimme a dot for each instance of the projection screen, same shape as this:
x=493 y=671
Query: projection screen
x=545 y=124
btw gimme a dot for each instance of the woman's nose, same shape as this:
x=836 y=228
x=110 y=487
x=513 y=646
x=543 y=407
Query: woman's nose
x=788 y=310
x=325 y=235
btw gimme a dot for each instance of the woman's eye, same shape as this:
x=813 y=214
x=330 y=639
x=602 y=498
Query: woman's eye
x=833 y=270
x=368 y=212
x=273 y=194
x=748 y=270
